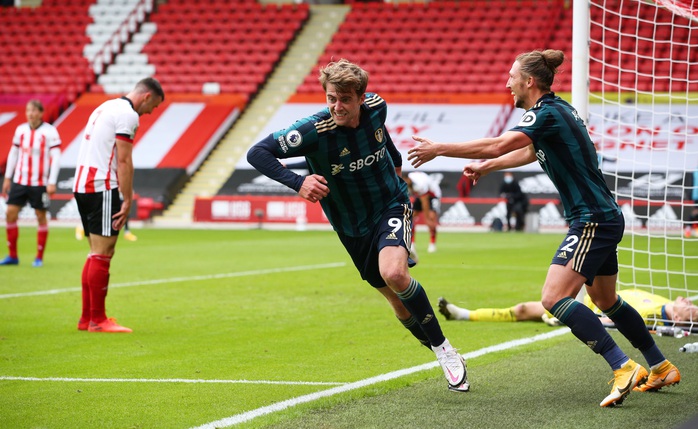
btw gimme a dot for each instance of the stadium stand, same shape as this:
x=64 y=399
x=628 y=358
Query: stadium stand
x=45 y=58
x=113 y=21
x=454 y=46
x=234 y=44
x=440 y=46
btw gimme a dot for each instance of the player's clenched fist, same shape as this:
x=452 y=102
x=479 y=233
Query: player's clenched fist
x=314 y=188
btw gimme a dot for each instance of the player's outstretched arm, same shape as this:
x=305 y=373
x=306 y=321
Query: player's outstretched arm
x=485 y=148
x=476 y=170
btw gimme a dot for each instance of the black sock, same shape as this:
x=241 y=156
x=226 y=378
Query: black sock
x=415 y=300
x=413 y=326
x=585 y=325
x=629 y=323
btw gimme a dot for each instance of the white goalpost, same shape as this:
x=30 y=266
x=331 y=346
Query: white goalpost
x=635 y=80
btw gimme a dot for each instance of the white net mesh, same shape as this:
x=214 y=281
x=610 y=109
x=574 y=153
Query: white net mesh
x=643 y=115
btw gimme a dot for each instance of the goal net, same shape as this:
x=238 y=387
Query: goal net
x=642 y=94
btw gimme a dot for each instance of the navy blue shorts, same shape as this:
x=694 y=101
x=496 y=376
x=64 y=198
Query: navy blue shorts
x=393 y=229
x=36 y=195
x=96 y=211
x=592 y=248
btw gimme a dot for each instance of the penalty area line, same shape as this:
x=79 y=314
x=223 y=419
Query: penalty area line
x=280 y=406
x=183 y=279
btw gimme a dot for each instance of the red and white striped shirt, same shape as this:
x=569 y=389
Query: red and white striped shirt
x=96 y=168
x=34 y=155
x=423 y=184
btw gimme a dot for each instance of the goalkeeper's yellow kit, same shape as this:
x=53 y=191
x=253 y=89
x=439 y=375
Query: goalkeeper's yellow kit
x=649 y=305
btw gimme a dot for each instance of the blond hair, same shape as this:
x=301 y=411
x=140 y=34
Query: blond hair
x=541 y=65
x=345 y=76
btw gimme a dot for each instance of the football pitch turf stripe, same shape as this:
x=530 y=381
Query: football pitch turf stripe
x=169 y=380
x=182 y=279
x=533 y=269
x=280 y=406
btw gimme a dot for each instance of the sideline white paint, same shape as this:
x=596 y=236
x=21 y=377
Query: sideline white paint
x=182 y=279
x=279 y=406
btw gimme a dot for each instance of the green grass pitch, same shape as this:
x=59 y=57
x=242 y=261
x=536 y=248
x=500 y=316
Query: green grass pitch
x=229 y=322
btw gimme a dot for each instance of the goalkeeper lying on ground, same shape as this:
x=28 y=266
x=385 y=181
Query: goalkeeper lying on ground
x=650 y=306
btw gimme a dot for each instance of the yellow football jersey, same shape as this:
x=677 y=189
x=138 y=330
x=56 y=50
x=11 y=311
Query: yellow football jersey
x=647 y=304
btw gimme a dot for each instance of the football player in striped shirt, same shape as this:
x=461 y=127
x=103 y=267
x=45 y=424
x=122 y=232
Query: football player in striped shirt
x=354 y=175
x=104 y=169
x=31 y=176
x=552 y=132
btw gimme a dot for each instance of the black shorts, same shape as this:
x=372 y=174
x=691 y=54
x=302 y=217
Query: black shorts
x=96 y=211
x=393 y=229
x=36 y=195
x=434 y=203
x=592 y=248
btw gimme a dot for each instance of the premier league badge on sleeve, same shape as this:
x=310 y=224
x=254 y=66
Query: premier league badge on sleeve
x=294 y=138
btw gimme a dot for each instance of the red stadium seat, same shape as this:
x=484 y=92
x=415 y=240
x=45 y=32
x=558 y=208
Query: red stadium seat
x=51 y=71
x=226 y=42
x=438 y=45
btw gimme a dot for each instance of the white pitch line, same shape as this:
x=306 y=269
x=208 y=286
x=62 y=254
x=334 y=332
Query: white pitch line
x=279 y=406
x=182 y=279
x=168 y=380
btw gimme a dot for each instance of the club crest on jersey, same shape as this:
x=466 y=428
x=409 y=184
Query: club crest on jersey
x=379 y=135
x=294 y=138
x=529 y=118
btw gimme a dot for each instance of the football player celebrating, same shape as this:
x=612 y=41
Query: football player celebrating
x=552 y=133
x=354 y=175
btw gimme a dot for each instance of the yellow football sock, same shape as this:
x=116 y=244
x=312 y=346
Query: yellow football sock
x=493 y=315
